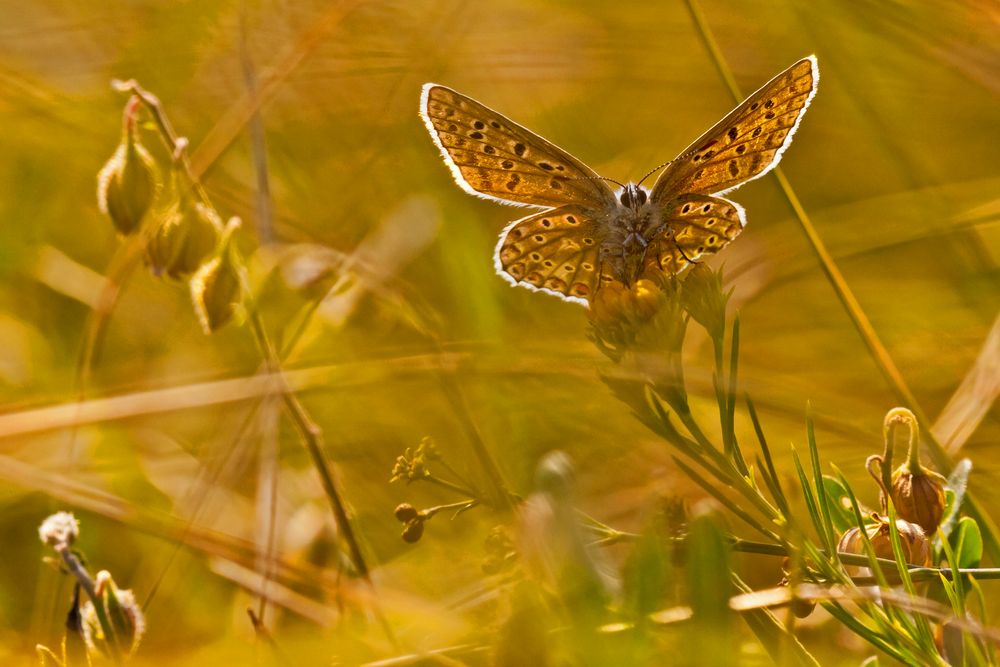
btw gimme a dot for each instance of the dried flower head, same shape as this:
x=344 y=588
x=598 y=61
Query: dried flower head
x=59 y=530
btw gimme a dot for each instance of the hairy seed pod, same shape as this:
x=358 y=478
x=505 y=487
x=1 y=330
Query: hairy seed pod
x=126 y=184
x=186 y=233
x=216 y=287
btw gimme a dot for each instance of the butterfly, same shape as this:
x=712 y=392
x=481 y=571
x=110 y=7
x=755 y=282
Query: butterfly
x=588 y=233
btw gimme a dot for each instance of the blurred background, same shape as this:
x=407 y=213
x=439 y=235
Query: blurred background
x=895 y=163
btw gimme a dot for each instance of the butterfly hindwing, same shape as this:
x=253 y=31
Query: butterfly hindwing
x=554 y=251
x=748 y=142
x=693 y=226
x=492 y=156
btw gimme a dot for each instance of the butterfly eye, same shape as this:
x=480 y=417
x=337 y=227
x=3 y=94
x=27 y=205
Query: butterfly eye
x=641 y=196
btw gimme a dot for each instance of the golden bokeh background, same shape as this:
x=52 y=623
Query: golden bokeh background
x=895 y=163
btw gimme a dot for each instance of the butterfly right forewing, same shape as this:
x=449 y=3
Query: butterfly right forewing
x=492 y=156
x=748 y=142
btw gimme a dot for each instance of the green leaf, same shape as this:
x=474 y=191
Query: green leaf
x=968 y=543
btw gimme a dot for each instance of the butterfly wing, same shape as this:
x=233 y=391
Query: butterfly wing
x=491 y=156
x=694 y=226
x=553 y=251
x=748 y=142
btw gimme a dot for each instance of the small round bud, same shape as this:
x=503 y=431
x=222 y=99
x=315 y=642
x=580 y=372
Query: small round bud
x=59 y=529
x=406 y=512
x=413 y=530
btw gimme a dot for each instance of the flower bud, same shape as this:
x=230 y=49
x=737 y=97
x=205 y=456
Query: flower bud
x=919 y=496
x=216 y=287
x=916 y=546
x=186 y=233
x=126 y=184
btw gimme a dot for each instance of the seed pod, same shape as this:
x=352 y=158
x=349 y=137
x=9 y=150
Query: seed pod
x=413 y=530
x=122 y=611
x=126 y=617
x=916 y=546
x=126 y=184
x=919 y=496
x=186 y=233
x=406 y=512
x=216 y=287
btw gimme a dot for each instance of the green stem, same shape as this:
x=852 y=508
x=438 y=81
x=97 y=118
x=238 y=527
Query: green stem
x=461 y=490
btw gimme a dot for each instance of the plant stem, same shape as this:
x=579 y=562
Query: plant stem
x=87 y=584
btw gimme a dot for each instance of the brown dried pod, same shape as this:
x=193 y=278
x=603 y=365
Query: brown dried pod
x=916 y=546
x=918 y=496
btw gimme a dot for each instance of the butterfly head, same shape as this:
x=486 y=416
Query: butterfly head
x=633 y=196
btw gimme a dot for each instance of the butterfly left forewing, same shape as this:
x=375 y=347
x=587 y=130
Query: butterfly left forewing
x=748 y=142
x=492 y=156
x=693 y=226
x=553 y=251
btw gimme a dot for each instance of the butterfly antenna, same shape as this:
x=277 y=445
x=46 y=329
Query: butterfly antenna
x=657 y=169
x=596 y=178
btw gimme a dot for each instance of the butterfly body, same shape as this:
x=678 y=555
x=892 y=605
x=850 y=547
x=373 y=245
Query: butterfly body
x=630 y=227
x=587 y=234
